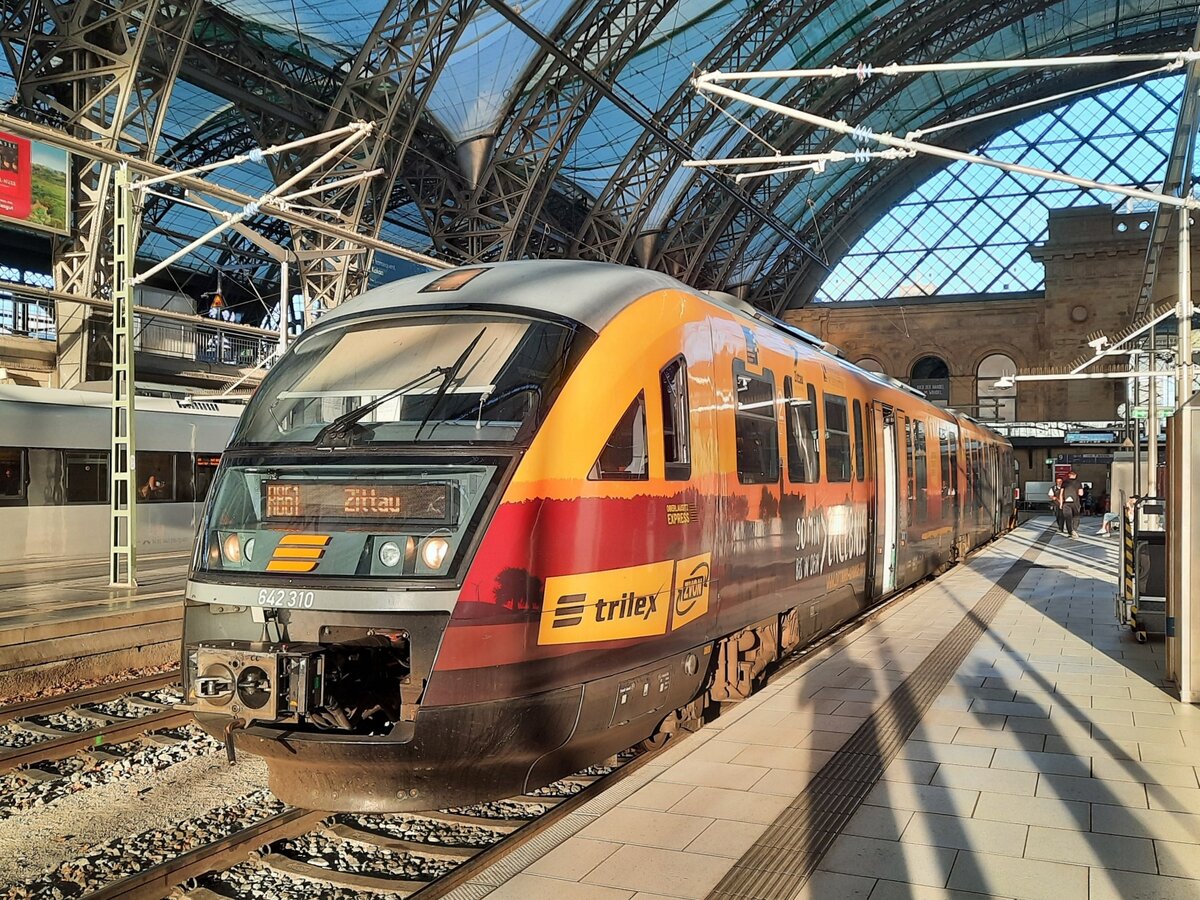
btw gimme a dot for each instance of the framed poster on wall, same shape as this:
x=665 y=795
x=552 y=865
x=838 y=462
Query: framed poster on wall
x=34 y=184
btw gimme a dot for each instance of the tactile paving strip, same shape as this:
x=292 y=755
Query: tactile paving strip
x=788 y=852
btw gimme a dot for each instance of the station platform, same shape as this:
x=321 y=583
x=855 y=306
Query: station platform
x=993 y=734
x=62 y=622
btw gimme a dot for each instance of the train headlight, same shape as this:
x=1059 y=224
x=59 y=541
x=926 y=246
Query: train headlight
x=389 y=553
x=231 y=548
x=248 y=549
x=434 y=551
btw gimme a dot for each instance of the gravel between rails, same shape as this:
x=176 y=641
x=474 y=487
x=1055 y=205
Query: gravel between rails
x=255 y=880
x=36 y=840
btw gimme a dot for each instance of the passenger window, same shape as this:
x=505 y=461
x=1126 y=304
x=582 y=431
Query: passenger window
x=206 y=468
x=922 y=466
x=949 y=452
x=156 y=477
x=859 y=454
x=87 y=476
x=677 y=450
x=755 y=426
x=623 y=457
x=13 y=480
x=803 y=438
x=837 y=439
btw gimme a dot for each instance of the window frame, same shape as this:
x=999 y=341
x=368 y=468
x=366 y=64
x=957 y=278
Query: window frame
x=596 y=473
x=799 y=439
x=677 y=470
x=860 y=455
x=21 y=498
x=760 y=420
x=833 y=399
x=84 y=457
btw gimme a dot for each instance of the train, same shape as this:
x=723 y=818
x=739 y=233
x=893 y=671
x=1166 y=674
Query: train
x=54 y=472
x=484 y=527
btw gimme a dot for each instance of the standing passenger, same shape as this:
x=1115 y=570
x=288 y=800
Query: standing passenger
x=1055 y=495
x=1071 y=492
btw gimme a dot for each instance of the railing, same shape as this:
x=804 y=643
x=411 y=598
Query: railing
x=163 y=333
x=27 y=317
x=215 y=343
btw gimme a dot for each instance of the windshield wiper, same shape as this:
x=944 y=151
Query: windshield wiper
x=450 y=374
x=341 y=425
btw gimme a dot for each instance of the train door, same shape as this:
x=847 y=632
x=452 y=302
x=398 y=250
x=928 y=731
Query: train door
x=887 y=507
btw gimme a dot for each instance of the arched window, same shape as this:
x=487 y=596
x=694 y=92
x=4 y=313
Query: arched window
x=931 y=376
x=996 y=404
x=871 y=365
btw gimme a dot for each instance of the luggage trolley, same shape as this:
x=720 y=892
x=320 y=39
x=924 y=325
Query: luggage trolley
x=1142 y=589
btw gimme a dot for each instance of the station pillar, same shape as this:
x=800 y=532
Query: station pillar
x=1183 y=533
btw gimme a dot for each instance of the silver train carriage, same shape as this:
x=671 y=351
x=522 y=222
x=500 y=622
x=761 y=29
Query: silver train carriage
x=54 y=472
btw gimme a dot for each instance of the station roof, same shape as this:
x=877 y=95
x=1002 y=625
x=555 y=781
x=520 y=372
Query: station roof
x=558 y=127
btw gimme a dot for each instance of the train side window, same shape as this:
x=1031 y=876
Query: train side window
x=922 y=472
x=677 y=447
x=948 y=444
x=623 y=457
x=837 y=438
x=205 y=469
x=859 y=454
x=87 y=476
x=156 y=477
x=803 y=439
x=756 y=429
x=184 y=478
x=14 y=474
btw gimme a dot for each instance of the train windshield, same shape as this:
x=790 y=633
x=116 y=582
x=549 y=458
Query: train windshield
x=459 y=378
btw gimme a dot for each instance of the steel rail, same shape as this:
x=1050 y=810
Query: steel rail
x=157 y=881
x=95 y=694
x=69 y=744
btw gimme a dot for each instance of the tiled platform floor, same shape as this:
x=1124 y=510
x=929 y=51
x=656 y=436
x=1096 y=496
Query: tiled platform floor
x=1053 y=765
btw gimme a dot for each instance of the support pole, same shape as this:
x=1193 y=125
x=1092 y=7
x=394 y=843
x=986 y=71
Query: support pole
x=285 y=303
x=122 y=491
x=1152 y=418
x=1183 y=386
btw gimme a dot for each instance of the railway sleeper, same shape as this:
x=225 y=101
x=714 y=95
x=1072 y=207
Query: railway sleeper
x=342 y=831
x=350 y=880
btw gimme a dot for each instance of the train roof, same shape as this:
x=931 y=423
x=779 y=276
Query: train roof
x=16 y=393
x=591 y=293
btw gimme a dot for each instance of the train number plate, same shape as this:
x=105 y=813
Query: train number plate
x=285 y=599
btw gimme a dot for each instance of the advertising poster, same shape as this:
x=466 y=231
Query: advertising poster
x=33 y=184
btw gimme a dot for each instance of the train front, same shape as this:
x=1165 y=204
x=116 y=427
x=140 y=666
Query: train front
x=345 y=514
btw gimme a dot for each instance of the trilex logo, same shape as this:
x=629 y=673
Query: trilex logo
x=572 y=608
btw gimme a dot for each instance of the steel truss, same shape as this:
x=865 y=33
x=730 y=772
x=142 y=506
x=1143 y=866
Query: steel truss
x=511 y=210
x=79 y=66
x=867 y=193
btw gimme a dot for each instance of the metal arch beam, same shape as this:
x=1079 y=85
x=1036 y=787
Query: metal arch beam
x=510 y=198
x=702 y=226
x=81 y=69
x=646 y=122
x=1177 y=179
x=613 y=225
x=859 y=204
x=389 y=84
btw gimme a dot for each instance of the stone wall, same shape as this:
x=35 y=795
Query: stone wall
x=1094 y=260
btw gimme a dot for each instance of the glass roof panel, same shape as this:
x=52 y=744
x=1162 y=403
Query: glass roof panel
x=975 y=223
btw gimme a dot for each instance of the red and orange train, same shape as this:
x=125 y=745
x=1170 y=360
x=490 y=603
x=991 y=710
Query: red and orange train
x=482 y=528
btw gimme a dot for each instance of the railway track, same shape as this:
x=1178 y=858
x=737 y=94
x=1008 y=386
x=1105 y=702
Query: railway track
x=95 y=719
x=423 y=856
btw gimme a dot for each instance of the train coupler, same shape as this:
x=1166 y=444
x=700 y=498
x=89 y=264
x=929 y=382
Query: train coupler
x=256 y=681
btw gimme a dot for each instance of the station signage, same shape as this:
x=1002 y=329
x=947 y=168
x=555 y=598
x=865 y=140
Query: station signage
x=1091 y=437
x=34 y=184
x=936 y=390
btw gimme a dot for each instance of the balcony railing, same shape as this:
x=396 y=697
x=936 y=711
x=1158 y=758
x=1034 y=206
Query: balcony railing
x=27 y=317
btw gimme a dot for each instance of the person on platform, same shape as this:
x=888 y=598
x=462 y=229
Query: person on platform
x=1055 y=495
x=1070 y=497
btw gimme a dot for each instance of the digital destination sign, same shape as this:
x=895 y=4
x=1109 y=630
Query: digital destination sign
x=358 y=501
x=33 y=183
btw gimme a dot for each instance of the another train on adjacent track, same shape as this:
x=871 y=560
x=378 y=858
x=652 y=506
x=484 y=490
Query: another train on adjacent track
x=54 y=472
x=484 y=527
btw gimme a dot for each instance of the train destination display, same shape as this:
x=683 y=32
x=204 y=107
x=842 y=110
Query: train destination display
x=355 y=500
